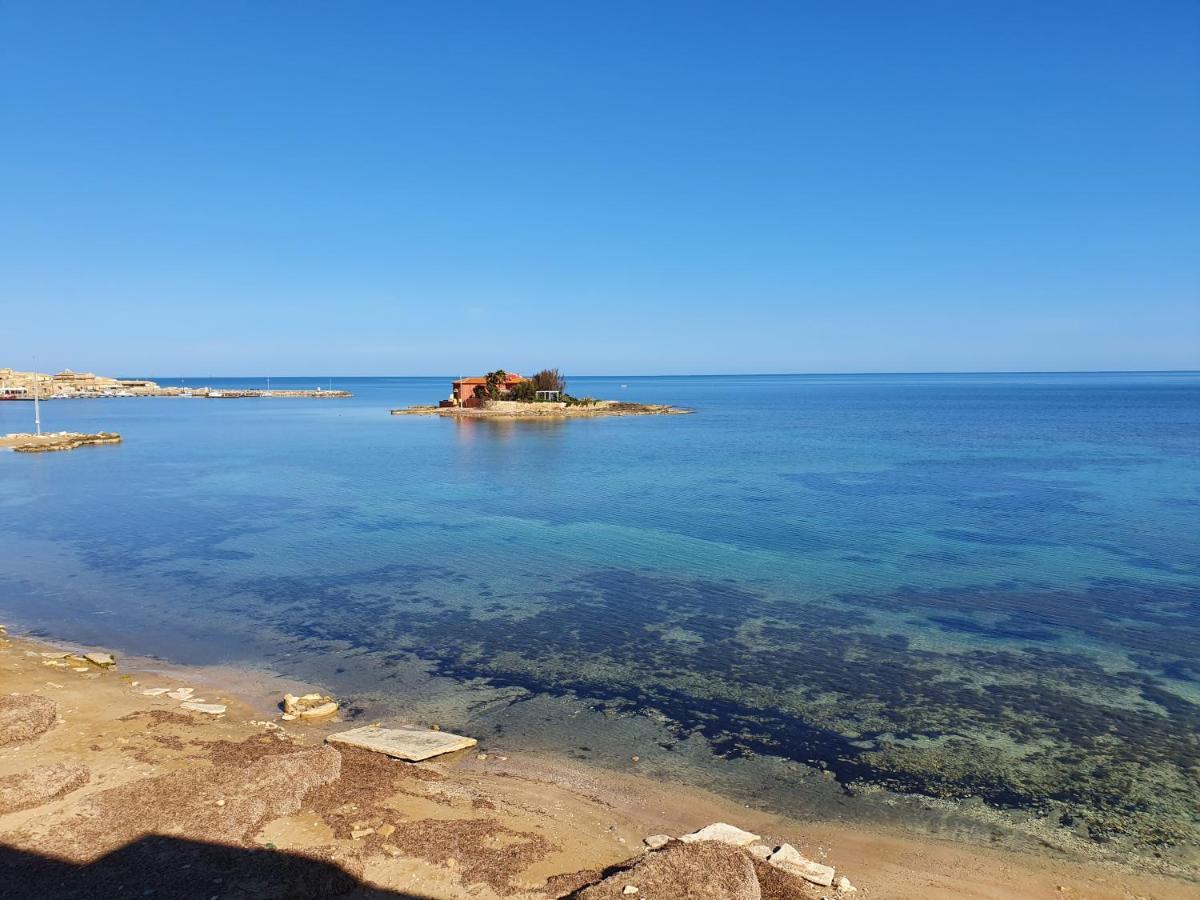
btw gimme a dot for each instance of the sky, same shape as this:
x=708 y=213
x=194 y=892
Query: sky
x=619 y=187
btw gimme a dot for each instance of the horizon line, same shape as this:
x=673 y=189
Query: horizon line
x=740 y=374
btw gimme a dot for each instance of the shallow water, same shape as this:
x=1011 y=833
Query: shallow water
x=957 y=587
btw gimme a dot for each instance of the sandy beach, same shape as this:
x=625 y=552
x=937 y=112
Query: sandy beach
x=106 y=789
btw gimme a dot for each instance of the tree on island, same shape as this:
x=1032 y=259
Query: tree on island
x=523 y=391
x=546 y=380
x=549 y=380
x=495 y=381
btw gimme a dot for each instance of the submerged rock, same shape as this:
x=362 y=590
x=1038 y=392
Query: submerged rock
x=722 y=833
x=309 y=706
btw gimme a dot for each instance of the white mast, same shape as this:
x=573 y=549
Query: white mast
x=37 y=409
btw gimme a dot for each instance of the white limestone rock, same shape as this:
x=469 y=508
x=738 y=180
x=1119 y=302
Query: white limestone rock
x=213 y=709
x=788 y=859
x=408 y=742
x=657 y=841
x=722 y=833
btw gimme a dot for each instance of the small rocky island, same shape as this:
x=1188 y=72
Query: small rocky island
x=507 y=395
x=60 y=440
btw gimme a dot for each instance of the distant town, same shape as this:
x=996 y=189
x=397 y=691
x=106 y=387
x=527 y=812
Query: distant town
x=69 y=385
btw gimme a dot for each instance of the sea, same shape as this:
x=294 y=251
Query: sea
x=965 y=605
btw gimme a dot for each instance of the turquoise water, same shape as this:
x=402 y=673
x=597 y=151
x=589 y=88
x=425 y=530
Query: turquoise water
x=854 y=596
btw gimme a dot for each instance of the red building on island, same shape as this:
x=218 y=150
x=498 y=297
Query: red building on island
x=462 y=392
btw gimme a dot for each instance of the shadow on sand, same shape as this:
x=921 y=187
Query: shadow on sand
x=165 y=867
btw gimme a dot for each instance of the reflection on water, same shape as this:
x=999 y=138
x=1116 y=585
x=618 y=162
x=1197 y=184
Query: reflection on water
x=812 y=593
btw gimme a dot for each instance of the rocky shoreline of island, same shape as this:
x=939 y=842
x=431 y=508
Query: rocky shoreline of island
x=505 y=409
x=114 y=769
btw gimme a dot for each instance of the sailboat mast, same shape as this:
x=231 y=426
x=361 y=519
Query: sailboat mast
x=37 y=407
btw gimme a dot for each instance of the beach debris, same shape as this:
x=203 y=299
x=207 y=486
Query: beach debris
x=760 y=851
x=213 y=709
x=844 y=886
x=722 y=833
x=24 y=717
x=103 y=660
x=390 y=849
x=657 y=841
x=788 y=859
x=154 y=692
x=409 y=743
x=629 y=889
x=39 y=785
x=635 y=759
x=288 y=717
x=482 y=757
x=705 y=870
x=309 y=706
x=360 y=833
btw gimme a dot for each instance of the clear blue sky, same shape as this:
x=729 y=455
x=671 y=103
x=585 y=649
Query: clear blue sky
x=610 y=187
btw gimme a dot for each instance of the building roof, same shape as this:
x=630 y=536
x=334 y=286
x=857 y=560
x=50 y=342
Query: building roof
x=509 y=378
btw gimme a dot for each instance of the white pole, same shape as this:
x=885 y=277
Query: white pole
x=37 y=409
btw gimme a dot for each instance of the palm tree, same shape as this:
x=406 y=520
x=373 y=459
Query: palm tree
x=494 y=382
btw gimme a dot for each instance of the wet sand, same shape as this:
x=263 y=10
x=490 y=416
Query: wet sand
x=120 y=792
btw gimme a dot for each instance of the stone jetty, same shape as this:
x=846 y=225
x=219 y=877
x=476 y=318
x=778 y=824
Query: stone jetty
x=59 y=440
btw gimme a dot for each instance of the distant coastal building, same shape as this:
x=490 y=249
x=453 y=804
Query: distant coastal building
x=467 y=391
x=19 y=385
x=69 y=382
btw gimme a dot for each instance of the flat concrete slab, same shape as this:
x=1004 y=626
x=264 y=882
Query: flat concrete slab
x=408 y=742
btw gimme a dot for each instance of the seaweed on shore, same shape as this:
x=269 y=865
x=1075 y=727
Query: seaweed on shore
x=1017 y=720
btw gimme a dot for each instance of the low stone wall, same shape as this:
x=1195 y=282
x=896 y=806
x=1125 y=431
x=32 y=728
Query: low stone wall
x=515 y=406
